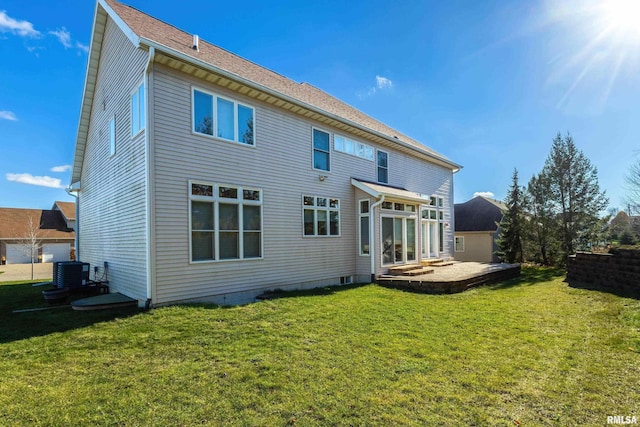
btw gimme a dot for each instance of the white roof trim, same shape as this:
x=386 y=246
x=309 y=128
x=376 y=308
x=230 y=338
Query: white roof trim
x=102 y=11
x=379 y=190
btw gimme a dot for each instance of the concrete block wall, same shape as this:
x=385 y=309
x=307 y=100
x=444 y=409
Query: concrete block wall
x=617 y=270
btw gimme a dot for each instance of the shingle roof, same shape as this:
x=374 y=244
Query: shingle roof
x=68 y=209
x=150 y=28
x=14 y=224
x=478 y=214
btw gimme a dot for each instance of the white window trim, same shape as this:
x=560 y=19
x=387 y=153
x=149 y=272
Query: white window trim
x=143 y=122
x=378 y=166
x=313 y=149
x=214 y=119
x=112 y=136
x=216 y=199
x=315 y=217
x=455 y=238
x=360 y=216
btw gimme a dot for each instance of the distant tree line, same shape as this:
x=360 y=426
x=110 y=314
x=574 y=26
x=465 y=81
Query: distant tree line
x=557 y=212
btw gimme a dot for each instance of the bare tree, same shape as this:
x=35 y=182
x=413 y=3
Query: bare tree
x=633 y=181
x=31 y=243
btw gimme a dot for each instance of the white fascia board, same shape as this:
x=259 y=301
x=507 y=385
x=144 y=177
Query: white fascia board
x=102 y=10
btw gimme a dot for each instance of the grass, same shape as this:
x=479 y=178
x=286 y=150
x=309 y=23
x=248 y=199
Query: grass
x=531 y=351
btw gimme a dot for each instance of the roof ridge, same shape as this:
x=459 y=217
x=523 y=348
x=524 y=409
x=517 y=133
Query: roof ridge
x=203 y=40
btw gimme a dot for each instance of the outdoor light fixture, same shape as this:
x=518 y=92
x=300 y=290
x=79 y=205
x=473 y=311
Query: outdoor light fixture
x=322 y=177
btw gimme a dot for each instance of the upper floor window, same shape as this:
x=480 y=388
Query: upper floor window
x=138 y=110
x=321 y=216
x=346 y=145
x=383 y=167
x=321 y=150
x=223 y=118
x=112 y=136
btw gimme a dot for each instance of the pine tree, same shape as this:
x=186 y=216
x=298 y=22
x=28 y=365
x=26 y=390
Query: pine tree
x=574 y=188
x=511 y=226
x=542 y=224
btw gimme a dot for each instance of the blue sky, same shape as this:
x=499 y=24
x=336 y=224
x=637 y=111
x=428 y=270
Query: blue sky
x=488 y=84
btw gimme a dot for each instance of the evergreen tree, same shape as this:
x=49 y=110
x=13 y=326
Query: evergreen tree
x=574 y=189
x=542 y=224
x=511 y=226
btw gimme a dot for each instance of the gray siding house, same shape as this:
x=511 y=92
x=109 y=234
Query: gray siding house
x=477 y=229
x=202 y=176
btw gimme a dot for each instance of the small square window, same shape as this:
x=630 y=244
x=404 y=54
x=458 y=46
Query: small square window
x=202 y=190
x=251 y=194
x=309 y=201
x=228 y=192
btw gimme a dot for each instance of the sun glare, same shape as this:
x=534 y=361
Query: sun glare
x=622 y=19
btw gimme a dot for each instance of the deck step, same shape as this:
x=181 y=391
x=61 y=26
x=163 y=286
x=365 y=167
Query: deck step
x=428 y=262
x=418 y=271
x=399 y=270
x=442 y=264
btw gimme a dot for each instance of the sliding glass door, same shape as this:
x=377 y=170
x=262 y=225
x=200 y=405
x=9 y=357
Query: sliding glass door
x=398 y=240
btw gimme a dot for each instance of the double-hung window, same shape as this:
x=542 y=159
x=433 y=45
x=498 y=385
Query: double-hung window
x=383 y=167
x=321 y=216
x=138 y=110
x=222 y=118
x=459 y=243
x=226 y=222
x=321 y=150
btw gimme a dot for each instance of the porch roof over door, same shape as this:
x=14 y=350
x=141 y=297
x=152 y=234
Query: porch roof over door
x=390 y=192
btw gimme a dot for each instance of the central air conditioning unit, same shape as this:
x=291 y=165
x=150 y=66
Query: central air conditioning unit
x=71 y=274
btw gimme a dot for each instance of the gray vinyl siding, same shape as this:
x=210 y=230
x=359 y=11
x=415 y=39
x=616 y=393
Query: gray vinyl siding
x=281 y=165
x=113 y=196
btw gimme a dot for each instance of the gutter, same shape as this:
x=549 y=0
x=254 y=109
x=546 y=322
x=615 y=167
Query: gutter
x=205 y=65
x=74 y=191
x=149 y=223
x=372 y=237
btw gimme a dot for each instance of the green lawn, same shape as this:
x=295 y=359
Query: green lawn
x=531 y=351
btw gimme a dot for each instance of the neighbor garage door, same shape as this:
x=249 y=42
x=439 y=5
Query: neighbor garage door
x=53 y=252
x=16 y=255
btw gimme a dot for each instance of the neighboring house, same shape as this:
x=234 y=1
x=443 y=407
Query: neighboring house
x=202 y=176
x=68 y=210
x=45 y=231
x=477 y=229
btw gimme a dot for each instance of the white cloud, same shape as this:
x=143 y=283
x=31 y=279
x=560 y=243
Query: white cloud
x=43 y=181
x=82 y=47
x=8 y=115
x=487 y=194
x=21 y=28
x=62 y=168
x=63 y=37
x=383 y=82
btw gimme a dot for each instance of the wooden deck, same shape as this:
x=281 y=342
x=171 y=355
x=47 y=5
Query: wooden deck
x=451 y=278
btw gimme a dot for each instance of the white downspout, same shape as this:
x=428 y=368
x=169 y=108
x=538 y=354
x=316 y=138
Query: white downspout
x=148 y=160
x=372 y=237
x=76 y=244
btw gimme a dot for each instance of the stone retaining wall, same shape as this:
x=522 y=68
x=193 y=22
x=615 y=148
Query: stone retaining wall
x=617 y=270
